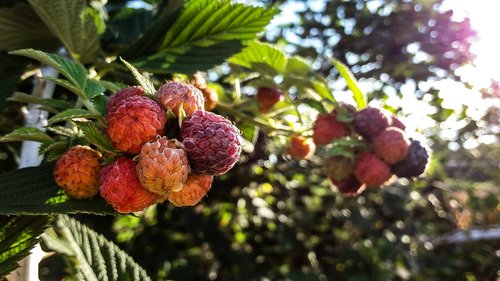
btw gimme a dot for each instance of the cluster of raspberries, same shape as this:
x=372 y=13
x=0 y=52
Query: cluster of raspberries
x=387 y=149
x=151 y=167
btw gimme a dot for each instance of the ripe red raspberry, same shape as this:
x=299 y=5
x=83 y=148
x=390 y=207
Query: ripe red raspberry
x=413 y=165
x=195 y=188
x=326 y=128
x=77 y=172
x=174 y=95
x=211 y=141
x=391 y=145
x=337 y=167
x=267 y=98
x=349 y=186
x=121 y=188
x=163 y=166
x=135 y=121
x=395 y=122
x=371 y=170
x=300 y=148
x=123 y=94
x=369 y=122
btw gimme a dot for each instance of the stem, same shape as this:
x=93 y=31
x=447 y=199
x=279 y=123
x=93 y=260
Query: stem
x=244 y=117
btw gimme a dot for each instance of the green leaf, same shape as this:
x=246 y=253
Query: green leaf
x=126 y=26
x=18 y=235
x=7 y=87
x=111 y=86
x=257 y=53
x=56 y=104
x=322 y=90
x=26 y=134
x=205 y=34
x=63 y=131
x=204 y=23
x=249 y=131
x=298 y=66
x=74 y=72
x=149 y=88
x=152 y=37
x=95 y=136
x=90 y=253
x=352 y=83
x=59 y=147
x=30 y=32
x=189 y=59
x=70 y=23
x=33 y=191
x=72 y=114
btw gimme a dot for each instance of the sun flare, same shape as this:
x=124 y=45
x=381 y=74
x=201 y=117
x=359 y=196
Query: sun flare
x=484 y=18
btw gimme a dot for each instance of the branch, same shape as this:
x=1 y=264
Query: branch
x=469 y=235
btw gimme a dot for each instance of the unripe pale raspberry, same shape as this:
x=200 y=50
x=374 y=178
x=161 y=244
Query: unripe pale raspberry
x=174 y=95
x=77 y=172
x=371 y=170
x=369 y=122
x=349 y=186
x=123 y=94
x=121 y=188
x=267 y=98
x=195 y=188
x=326 y=128
x=211 y=98
x=391 y=145
x=211 y=141
x=135 y=121
x=300 y=147
x=163 y=166
x=337 y=167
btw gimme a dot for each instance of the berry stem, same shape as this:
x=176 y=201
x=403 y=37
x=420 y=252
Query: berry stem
x=230 y=109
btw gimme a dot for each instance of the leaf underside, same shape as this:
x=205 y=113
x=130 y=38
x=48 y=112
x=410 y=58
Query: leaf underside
x=92 y=256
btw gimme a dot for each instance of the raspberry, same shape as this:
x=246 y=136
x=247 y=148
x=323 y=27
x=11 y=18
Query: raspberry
x=135 y=121
x=199 y=81
x=123 y=94
x=413 y=165
x=209 y=94
x=337 y=167
x=193 y=191
x=163 y=166
x=211 y=141
x=327 y=128
x=395 y=122
x=211 y=98
x=121 y=188
x=371 y=170
x=267 y=98
x=369 y=122
x=77 y=172
x=349 y=186
x=391 y=145
x=300 y=147
x=174 y=95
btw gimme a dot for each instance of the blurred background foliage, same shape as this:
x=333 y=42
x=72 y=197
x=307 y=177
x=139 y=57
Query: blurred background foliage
x=273 y=218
